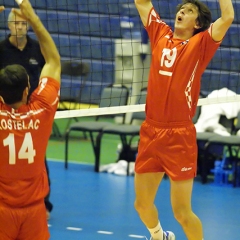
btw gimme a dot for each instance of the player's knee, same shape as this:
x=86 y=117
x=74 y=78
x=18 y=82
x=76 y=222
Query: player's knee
x=181 y=215
x=137 y=206
x=141 y=206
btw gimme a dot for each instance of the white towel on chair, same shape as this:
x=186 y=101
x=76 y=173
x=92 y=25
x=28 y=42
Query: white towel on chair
x=210 y=114
x=118 y=168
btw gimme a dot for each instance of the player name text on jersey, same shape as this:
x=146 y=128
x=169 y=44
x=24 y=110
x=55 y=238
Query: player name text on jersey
x=19 y=124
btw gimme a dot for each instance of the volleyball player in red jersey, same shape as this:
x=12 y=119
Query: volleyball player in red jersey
x=168 y=136
x=25 y=127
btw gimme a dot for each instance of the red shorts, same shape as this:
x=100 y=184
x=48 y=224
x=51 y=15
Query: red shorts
x=169 y=148
x=27 y=223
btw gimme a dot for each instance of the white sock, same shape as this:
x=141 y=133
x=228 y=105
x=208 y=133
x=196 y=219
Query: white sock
x=157 y=232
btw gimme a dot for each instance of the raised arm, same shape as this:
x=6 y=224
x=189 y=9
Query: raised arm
x=143 y=7
x=52 y=67
x=222 y=24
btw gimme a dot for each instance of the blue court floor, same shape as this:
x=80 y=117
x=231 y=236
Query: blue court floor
x=99 y=206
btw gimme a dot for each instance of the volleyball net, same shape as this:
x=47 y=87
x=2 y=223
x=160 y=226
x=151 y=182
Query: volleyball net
x=103 y=43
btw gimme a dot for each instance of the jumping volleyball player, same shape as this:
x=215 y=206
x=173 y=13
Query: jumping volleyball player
x=168 y=136
x=25 y=127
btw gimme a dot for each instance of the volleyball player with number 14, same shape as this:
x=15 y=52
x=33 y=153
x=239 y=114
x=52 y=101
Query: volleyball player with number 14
x=25 y=127
x=168 y=136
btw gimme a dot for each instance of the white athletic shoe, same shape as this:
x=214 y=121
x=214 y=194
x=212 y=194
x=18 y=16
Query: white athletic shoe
x=167 y=236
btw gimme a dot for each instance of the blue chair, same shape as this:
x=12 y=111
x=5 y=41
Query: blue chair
x=166 y=9
x=226 y=59
x=4 y=18
x=232 y=37
x=43 y=4
x=213 y=5
x=100 y=76
x=83 y=24
x=8 y=3
x=215 y=79
x=64 y=5
x=111 y=27
x=74 y=75
x=102 y=49
x=68 y=45
x=109 y=7
x=102 y=72
x=234 y=57
x=129 y=9
x=100 y=25
x=87 y=47
x=60 y=22
x=83 y=6
x=215 y=10
x=236 y=6
x=221 y=60
x=43 y=15
x=90 y=24
x=91 y=92
x=3 y=34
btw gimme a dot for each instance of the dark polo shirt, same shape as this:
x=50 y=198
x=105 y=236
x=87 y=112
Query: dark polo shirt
x=30 y=58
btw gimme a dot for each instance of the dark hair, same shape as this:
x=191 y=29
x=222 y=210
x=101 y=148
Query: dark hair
x=204 y=18
x=13 y=81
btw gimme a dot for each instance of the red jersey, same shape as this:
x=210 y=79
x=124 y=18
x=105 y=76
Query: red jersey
x=175 y=73
x=24 y=135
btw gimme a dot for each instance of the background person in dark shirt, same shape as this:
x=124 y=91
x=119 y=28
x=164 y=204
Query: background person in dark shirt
x=19 y=48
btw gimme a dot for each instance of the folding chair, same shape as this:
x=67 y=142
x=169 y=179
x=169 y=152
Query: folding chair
x=72 y=72
x=211 y=146
x=126 y=132
x=113 y=95
x=74 y=75
x=231 y=143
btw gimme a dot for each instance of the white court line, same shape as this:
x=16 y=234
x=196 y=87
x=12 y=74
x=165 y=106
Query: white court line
x=49 y=225
x=74 y=229
x=80 y=229
x=70 y=161
x=136 y=236
x=104 y=232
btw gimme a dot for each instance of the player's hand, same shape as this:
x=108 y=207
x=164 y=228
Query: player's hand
x=26 y=11
x=1 y=8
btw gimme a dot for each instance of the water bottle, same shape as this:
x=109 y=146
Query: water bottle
x=218 y=172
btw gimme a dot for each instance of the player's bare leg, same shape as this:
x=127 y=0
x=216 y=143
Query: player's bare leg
x=146 y=187
x=181 y=194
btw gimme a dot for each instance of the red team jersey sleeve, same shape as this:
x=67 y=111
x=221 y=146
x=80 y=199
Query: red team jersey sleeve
x=24 y=135
x=175 y=72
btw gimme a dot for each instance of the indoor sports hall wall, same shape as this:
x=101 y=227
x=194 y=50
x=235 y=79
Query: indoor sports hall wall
x=87 y=30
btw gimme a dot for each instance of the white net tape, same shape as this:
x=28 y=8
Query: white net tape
x=219 y=100
x=99 y=111
x=135 y=108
